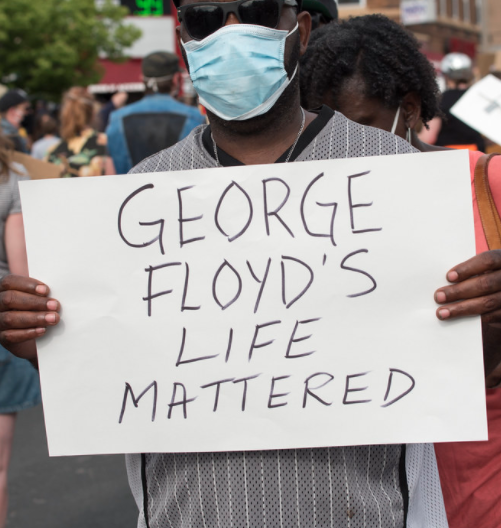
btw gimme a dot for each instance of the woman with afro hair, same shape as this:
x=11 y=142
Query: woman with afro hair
x=371 y=70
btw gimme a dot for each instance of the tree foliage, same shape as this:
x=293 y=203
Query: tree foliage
x=48 y=46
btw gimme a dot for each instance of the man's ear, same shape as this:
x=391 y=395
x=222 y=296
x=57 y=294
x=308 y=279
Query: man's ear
x=178 y=36
x=177 y=81
x=411 y=108
x=181 y=48
x=304 y=27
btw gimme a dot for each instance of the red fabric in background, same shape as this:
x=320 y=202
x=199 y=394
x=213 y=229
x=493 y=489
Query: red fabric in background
x=470 y=472
x=121 y=73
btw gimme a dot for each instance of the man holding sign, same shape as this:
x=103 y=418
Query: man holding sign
x=243 y=59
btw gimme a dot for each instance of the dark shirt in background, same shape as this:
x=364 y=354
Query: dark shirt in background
x=454 y=131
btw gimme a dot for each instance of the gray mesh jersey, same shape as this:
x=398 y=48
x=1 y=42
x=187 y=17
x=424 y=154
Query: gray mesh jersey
x=353 y=487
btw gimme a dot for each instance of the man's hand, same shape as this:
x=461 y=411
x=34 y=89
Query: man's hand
x=25 y=313
x=476 y=290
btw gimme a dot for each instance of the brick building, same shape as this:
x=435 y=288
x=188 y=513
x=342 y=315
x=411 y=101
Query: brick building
x=470 y=26
x=390 y=8
x=442 y=26
x=491 y=37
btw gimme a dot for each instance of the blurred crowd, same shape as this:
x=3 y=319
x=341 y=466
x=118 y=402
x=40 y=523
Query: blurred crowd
x=368 y=68
x=87 y=137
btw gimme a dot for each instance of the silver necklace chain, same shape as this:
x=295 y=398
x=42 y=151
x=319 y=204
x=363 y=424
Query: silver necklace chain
x=297 y=137
x=291 y=150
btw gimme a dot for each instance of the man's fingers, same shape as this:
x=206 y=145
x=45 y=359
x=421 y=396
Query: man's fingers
x=487 y=261
x=24 y=284
x=27 y=320
x=25 y=313
x=13 y=337
x=485 y=284
x=18 y=300
x=476 y=306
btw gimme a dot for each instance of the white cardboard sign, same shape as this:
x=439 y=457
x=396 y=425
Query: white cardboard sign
x=480 y=108
x=260 y=307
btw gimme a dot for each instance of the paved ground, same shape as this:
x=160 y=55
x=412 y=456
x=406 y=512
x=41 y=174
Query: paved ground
x=69 y=492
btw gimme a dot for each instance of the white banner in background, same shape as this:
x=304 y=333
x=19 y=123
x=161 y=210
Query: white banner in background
x=480 y=108
x=418 y=12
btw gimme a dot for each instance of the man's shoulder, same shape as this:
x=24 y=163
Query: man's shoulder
x=188 y=153
x=157 y=103
x=117 y=115
x=131 y=108
x=192 y=110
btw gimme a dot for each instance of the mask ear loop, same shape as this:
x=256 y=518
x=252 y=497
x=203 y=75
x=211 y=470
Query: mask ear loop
x=293 y=30
x=395 y=121
x=152 y=84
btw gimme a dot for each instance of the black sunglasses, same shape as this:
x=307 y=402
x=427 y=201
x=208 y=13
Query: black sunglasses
x=202 y=19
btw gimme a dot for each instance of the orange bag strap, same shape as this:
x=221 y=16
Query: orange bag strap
x=489 y=215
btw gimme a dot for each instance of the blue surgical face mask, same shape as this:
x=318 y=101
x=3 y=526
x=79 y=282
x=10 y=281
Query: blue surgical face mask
x=238 y=71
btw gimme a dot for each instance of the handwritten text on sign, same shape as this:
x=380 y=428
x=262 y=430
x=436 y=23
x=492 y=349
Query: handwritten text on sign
x=256 y=307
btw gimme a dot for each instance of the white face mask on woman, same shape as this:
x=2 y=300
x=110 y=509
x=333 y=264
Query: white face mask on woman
x=408 y=135
x=395 y=121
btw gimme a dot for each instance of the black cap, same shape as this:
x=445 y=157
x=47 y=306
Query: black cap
x=328 y=8
x=12 y=98
x=160 y=64
x=177 y=3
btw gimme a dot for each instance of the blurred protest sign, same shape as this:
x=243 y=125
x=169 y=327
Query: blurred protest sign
x=257 y=307
x=37 y=169
x=480 y=108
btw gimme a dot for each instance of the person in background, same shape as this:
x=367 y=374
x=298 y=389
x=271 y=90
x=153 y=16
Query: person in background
x=322 y=12
x=46 y=130
x=155 y=122
x=118 y=100
x=19 y=383
x=82 y=151
x=370 y=69
x=449 y=131
x=14 y=105
x=362 y=68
